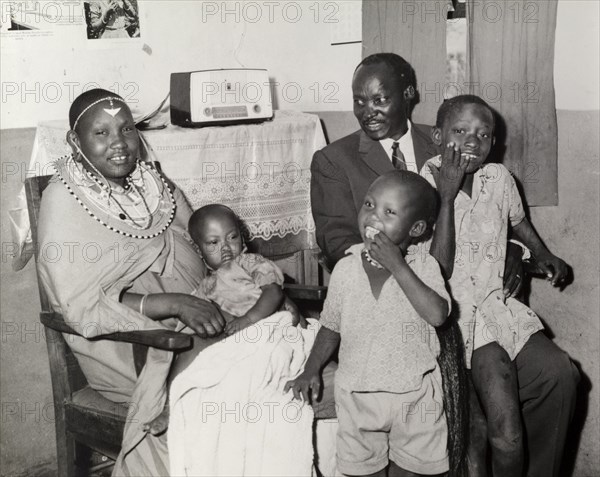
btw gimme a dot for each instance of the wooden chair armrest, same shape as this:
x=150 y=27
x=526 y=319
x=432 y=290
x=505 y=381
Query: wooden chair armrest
x=161 y=339
x=305 y=292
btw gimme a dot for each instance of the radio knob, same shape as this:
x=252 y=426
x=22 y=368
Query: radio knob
x=207 y=111
x=256 y=108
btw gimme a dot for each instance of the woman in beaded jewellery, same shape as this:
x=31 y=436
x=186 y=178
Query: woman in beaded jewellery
x=121 y=259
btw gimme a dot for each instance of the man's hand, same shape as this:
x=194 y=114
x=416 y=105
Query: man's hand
x=449 y=177
x=513 y=270
x=305 y=387
x=556 y=269
x=201 y=316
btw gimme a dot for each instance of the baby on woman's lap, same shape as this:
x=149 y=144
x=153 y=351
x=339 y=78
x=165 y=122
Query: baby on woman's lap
x=247 y=287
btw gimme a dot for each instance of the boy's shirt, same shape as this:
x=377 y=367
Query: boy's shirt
x=385 y=344
x=481 y=223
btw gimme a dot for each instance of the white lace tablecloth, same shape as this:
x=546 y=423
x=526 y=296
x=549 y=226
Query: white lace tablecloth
x=261 y=171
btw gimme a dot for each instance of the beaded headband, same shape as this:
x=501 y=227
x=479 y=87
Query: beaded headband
x=112 y=111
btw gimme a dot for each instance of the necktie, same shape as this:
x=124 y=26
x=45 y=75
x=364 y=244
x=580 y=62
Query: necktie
x=398 y=160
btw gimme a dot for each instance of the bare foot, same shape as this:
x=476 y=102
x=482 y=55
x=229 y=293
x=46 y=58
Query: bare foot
x=159 y=424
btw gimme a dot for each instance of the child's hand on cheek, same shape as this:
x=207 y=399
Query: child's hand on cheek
x=386 y=252
x=448 y=178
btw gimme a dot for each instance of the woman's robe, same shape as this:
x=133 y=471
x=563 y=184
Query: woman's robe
x=85 y=267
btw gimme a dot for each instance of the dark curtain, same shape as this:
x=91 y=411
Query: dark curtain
x=511 y=65
x=417 y=32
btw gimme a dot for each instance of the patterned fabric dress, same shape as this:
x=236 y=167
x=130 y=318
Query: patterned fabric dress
x=235 y=287
x=481 y=223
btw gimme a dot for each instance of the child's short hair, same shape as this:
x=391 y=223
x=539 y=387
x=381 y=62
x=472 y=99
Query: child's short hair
x=210 y=211
x=404 y=73
x=453 y=104
x=425 y=196
x=86 y=98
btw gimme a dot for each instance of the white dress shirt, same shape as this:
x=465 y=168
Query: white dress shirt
x=405 y=144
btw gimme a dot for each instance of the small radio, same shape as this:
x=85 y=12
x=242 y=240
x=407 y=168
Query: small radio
x=220 y=97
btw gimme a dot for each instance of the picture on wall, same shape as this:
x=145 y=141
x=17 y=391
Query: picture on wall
x=112 y=19
x=40 y=24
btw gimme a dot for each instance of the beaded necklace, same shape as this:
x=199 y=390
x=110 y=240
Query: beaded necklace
x=368 y=258
x=74 y=177
x=129 y=185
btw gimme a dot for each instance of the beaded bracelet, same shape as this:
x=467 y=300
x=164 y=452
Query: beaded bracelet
x=142 y=303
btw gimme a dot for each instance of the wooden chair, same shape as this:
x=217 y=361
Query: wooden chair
x=85 y=421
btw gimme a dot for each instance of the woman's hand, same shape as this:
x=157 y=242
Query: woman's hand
x=201 y=316
x=449 y=177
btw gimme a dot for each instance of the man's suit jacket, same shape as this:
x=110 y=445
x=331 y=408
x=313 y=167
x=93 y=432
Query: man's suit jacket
x=341 y=174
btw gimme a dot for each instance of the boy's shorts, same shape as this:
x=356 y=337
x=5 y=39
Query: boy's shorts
x=408 y=428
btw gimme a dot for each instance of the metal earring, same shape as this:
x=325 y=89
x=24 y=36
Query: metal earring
x=208 y=267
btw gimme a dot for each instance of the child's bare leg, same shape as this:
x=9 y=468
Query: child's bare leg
x=495 y=380
x=477 y=448
x=159 y=424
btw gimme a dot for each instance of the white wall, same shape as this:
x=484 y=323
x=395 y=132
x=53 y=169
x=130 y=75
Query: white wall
x=571 y=228
x=40 y=80
x=576 y=61
x=290 y=39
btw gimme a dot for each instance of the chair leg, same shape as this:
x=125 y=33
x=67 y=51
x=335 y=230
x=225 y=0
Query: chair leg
x=82 y=460
x=65 y=446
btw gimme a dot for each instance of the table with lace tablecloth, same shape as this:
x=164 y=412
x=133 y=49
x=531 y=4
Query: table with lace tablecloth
x=261 y=171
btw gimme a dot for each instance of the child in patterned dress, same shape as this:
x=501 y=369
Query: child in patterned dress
x=509 y=356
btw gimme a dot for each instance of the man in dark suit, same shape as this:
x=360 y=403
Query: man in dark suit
x=383 y=88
